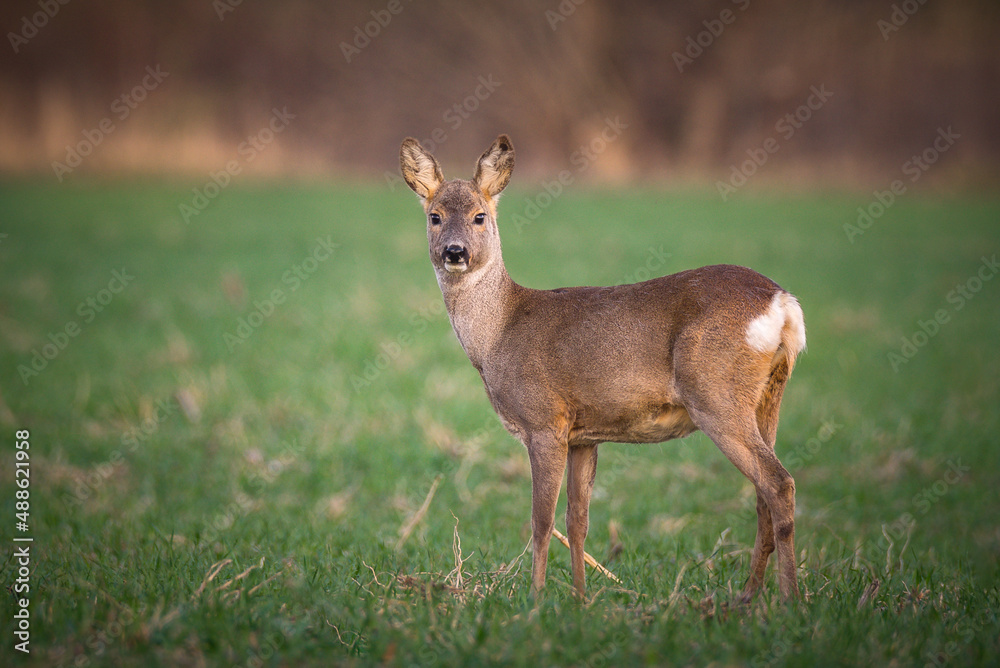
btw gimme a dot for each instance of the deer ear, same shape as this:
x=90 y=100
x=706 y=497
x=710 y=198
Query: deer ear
x=419 y=168
x=495 y=167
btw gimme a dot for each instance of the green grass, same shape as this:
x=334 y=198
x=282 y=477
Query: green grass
x=303 y=449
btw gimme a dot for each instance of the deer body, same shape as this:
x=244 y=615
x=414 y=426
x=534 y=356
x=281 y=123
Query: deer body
x=568 y=369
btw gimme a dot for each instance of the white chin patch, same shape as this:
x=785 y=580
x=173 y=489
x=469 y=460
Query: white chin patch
x=456 y=267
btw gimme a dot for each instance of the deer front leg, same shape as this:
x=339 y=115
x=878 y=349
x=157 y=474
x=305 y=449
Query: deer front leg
x=548 y=462
x=579 y=485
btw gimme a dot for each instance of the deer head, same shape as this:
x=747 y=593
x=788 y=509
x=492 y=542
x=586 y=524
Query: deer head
x=462 y=231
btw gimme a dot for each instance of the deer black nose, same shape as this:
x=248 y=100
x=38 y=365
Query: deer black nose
x=454 y=254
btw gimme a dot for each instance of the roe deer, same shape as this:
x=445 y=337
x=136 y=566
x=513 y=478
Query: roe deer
x=568 y=369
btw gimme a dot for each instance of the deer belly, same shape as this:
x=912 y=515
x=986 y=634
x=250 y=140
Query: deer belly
x=654 y=425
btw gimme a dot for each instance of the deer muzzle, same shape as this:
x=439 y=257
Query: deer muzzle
x=456 y=258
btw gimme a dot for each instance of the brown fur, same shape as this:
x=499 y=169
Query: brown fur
x=571 y=368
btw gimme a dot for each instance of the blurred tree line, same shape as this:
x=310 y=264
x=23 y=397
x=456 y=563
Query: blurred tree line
x=832 y=92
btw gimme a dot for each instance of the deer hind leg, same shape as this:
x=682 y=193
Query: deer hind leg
x=770 y=399
x=548 y=462
x=744 y=446
x=762 y=548
x=780 y=499
x=579 y=486
x=767 y=425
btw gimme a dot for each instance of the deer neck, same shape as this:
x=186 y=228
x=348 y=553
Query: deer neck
x=478 y=305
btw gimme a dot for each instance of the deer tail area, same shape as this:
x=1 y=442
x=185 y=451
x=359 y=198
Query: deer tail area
x=782 y=330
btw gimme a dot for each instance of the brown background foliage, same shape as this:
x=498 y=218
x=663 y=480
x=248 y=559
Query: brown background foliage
x=230 y=64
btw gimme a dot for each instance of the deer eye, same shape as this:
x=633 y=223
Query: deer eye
x=480 y=218
x=435 y=219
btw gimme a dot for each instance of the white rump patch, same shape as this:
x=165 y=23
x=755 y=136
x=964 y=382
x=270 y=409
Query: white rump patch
x=782 y=321
x=795 y=325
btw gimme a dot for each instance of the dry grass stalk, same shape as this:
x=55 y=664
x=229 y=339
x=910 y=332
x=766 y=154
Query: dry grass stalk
x=458 y=583
x=217 y=567
x=407 y=529
x=674 y=595
x=616 y=547
x=212 y=572
x=188 y=402
x=868 y=595
x=456 y=547
x=589 y=560
x=239 y=577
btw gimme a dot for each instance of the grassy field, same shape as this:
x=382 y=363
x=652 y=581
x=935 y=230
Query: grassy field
x=254 y=439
